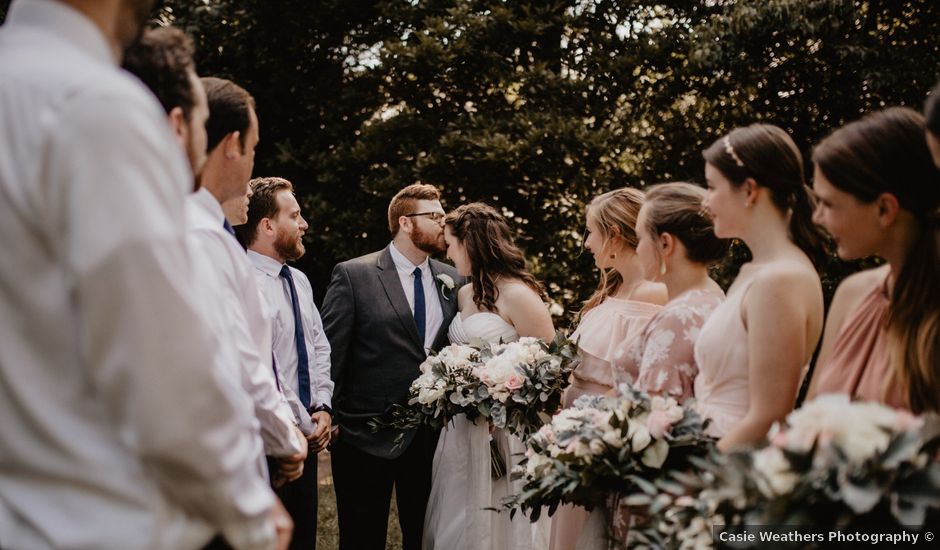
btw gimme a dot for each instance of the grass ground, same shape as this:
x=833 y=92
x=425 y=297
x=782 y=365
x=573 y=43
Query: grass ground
x=327 y=528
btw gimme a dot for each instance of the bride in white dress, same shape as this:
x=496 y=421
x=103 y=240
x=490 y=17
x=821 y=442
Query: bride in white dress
x=502 y=303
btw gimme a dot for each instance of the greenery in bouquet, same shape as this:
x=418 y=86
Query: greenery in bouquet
x=833 y=465
x=524 y=381
x=605 y=446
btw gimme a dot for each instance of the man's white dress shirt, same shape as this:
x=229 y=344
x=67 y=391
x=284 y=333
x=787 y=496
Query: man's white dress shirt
x=277 y=292
x=115 y=431
x=241 y=322
x=433 y=315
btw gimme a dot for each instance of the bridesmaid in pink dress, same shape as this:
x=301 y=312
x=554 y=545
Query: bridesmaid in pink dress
x=879 y=192
x=676 y=246
x=617 y=311
x=753 y=348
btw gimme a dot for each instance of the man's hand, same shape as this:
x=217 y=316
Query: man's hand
x=320 y=437
x=292 y=467
x=283 y=525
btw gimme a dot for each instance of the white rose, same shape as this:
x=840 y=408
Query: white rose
x=776 y=477
x=597 y=447
x=430 y=395
x=655 y=454
x=581 y=449
x=613 y=438
x=641 y=437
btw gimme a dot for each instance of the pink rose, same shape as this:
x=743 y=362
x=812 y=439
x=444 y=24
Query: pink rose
x=905 y=421
x=779 y=439
x=659 y=423
x=514 y=382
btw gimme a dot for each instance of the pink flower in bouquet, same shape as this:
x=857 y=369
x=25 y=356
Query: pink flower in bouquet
x=514 y=381
x=905 y=421
x=658 y=424
x=663 y=414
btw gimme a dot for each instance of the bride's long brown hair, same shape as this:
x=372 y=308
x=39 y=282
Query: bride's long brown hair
x=488 y=240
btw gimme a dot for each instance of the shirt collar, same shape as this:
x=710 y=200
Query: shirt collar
x=268 y=265
x=403 y=264
x=207 y=202
x=65 y=22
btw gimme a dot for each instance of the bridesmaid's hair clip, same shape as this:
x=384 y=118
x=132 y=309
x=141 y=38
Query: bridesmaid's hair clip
x=730 y=150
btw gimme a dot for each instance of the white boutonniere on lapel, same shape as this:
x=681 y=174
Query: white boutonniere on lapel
x=447 y=285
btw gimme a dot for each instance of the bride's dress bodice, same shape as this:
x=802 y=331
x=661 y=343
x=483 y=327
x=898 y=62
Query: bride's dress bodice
x=485 y=325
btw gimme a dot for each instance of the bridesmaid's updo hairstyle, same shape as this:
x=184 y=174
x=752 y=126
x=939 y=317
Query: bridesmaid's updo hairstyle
x=886 y=152
x=676 y=209
x=767 y=154
x=614 y=213
x=487 y=237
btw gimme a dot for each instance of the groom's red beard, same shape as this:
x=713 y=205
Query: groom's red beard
x=289 y=246
x=429 y=243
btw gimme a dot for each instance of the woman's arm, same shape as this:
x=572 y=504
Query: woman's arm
x=779 y=310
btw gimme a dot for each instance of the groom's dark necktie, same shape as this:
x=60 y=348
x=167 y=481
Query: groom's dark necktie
x=228 y=227
x=419 y=303
x=303 y=372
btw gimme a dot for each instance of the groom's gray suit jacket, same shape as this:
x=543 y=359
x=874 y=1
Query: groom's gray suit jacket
x=375 y=346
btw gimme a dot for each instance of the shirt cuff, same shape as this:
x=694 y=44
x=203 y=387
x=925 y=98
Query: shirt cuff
x=324 y=398
x=254 y=534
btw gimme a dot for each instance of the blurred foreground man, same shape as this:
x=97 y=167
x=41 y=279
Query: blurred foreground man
x=117 y=431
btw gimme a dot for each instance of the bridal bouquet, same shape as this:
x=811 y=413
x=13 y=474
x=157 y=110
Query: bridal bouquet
x=447 y=386
x=516 y=386
x=833 y=466
x=524 y=381
x=603 y=446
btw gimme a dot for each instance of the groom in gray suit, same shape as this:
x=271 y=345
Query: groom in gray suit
x=382 y=314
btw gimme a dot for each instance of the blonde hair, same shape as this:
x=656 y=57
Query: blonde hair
x=615 y=214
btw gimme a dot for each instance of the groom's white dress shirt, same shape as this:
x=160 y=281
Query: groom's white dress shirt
x=433 y=314
x=276 y=291
x=241 y=322
x=115 y=431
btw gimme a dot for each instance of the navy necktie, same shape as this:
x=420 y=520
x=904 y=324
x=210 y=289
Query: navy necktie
x=228 y=227
x=303 y=372
x=419 y=303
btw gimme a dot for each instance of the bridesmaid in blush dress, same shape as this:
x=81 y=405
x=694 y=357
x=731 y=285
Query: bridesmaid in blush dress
x=618 y=311
x=753 y=348
x=879 y=193
x=676 y=247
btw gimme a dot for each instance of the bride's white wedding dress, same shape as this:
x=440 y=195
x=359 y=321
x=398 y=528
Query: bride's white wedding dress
x=461 y=483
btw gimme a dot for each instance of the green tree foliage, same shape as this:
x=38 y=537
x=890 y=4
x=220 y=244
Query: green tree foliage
x=536 y=106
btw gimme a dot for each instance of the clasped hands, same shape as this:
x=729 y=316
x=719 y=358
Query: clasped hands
x=292 y=467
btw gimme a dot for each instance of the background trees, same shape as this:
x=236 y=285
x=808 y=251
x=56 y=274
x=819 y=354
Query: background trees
x=536 y=106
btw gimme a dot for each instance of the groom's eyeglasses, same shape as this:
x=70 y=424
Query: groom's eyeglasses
x=434 y=216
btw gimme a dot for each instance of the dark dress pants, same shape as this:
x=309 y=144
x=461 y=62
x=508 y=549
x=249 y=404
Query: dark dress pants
x=364 y=483
x=300 y=499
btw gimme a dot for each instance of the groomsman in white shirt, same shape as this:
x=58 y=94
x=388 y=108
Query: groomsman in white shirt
x=162 y=59
x=274 y=236
x=106 y=360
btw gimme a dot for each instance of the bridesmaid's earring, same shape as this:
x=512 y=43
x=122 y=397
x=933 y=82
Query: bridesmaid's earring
x=662 y=268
